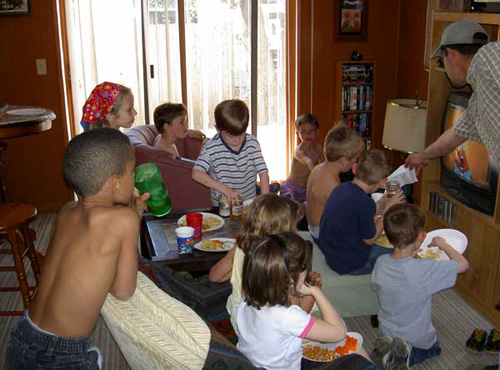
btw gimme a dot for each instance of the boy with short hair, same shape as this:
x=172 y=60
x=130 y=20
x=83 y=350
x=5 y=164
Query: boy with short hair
x=93 y=252
x=230 y=161
x=405 y=285
x=307 y=155
x=342 y=148
x=351 y=222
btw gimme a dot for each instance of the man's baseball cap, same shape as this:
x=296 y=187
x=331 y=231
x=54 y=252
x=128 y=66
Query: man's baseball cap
x=462 y=32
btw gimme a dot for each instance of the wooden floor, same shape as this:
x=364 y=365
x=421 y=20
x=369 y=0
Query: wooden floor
x=453 y=318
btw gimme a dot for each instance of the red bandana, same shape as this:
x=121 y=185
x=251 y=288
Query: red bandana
x=100 y=102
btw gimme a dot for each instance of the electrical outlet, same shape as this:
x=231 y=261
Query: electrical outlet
x=41 y=66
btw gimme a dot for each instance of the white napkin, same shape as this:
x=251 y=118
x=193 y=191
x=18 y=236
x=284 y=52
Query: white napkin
x=403 y=175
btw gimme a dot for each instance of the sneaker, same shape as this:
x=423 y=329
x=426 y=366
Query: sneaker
x=381 y=351
x=477 y=340
x=493 y=342
x=399 y=355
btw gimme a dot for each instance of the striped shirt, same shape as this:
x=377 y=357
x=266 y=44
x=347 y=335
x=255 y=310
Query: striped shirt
x=238 y=170
x=481 y=120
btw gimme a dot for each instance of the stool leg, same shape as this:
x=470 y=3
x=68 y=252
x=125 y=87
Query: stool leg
x=18 y=263
x=32 y=255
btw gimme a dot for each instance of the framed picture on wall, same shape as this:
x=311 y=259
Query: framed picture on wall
x=13 y=7
x=350 y=18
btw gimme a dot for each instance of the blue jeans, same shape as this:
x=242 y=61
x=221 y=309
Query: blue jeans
x=419 y=355
x=33 y=348
x=375 y=252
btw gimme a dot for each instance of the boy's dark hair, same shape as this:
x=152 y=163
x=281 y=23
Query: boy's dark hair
x=372 y=167
x=340 y=142
x=272 y=269
x=403 y=223
x=306 y=118
x=91 y=158
x=166 y=113
x=232 y=116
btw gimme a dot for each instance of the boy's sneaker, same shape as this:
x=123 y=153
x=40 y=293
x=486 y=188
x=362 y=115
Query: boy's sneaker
x=381 y=351
x=399 y=355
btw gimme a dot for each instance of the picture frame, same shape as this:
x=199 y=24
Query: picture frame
x=14 y=7
x=350 y=20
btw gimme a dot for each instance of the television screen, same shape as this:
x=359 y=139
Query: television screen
x=467 y=173
x=470 y=161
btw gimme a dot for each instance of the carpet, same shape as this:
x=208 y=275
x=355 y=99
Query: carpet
x=453 y=318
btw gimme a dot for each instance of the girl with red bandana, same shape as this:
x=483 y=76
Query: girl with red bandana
x=109 y=105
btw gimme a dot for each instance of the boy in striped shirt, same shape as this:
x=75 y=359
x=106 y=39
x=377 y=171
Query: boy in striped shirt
x=230 y=161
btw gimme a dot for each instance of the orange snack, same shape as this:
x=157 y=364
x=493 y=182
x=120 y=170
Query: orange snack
x=350 y=346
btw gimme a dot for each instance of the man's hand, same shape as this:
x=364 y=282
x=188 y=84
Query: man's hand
x=139 y=202
x=416 y=161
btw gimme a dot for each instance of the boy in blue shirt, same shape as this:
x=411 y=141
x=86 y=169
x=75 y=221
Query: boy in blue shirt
x=405 y=285
x=230 y=161
x=351 y=220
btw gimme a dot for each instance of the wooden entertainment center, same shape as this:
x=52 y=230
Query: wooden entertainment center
x=480 y=286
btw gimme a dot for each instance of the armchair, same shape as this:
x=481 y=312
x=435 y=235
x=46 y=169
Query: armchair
x=184 y=192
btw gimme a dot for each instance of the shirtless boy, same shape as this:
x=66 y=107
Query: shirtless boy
x=342 y=148
x=93 y=252
x=307 y=155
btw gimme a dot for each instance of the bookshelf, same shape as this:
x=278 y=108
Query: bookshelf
x=357 y=96
x=480 y=285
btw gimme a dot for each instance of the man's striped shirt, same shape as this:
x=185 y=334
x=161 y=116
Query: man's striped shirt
x=238 y=170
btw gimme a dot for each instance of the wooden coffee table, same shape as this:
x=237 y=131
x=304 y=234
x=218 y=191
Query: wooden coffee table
x=161 y=232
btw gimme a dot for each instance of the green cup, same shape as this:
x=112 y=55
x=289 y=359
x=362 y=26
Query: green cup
x=148 y=180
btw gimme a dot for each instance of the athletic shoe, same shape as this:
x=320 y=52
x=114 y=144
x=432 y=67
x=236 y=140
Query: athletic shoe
x=381 y=351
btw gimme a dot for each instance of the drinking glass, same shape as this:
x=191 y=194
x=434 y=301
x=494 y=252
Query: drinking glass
x=148 y=179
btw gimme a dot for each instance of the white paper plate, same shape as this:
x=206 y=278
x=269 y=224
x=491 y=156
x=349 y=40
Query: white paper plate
x=332 y=346
x=182 y=221
x=26 y=112
x=453 y=237
x=230 y=244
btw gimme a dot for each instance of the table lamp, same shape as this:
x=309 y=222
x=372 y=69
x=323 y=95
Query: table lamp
x=404 y=125
x=404 y=128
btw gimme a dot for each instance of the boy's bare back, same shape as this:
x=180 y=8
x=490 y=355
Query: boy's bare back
x=320 y=184
x=93 y=251
x=307 y=155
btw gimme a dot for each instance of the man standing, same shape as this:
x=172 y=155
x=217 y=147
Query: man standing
x=468 y=58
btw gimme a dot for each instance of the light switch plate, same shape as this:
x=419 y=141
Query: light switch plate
x=41 y=66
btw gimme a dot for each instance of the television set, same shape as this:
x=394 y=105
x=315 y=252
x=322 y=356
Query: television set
x=468 y=173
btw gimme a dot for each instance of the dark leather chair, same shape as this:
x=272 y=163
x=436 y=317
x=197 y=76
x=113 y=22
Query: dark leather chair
x=184 y=192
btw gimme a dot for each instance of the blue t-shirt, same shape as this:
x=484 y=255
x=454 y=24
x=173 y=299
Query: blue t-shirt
x=347 y=219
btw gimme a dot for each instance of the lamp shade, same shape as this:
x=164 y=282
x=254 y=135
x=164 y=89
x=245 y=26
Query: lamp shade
x=404 y=126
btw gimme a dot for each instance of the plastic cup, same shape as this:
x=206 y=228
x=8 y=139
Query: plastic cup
x=195 y=220
x=184 y=239
x=148 y=179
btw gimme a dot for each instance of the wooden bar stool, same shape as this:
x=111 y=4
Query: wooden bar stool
x=14 y=220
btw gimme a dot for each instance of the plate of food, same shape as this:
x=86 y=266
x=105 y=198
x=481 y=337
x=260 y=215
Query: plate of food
x=26 y=112
x=453 y=237
x=210 y=221
x=326 y=352
x=216 y=245
x=383 y=241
